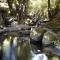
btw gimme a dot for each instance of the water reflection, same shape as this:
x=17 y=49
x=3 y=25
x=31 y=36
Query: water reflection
x=6 y=49
x=9 y=52
x=13 y=49
x=25 y=51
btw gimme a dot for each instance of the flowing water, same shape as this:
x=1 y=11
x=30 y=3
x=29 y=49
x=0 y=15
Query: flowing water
x=10 y=52
x=40 y=56
x=21 y=50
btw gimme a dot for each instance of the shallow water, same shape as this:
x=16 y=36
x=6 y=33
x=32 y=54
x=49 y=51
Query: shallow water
x=10 y=52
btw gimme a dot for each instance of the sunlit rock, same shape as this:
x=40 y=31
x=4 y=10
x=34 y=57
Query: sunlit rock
x=48 y=38
x=28 y=21
x=55 y=58
x=4 y=5
x=37 y=33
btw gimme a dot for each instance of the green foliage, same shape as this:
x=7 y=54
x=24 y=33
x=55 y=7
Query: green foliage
x=21 y=8
x=53 y=4
x=37 y=6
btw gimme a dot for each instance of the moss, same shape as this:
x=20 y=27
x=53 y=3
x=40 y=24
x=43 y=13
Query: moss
x=53 y=24
x=40 y=30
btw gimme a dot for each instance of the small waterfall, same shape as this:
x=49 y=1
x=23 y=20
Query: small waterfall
x=36 y=53
x=39 y=56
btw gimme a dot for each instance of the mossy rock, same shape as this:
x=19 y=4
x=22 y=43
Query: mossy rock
x=37 y=33
x=49 y=37
x=55 y=58
x=53 y=24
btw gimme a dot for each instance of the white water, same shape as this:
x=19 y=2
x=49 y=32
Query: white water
x=40 y=56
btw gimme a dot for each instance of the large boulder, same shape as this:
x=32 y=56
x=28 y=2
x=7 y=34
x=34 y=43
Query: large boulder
x=37 y=33
x=51 y=44
x=49 y=38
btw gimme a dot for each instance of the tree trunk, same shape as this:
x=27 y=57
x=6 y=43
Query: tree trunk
x=49 y=14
